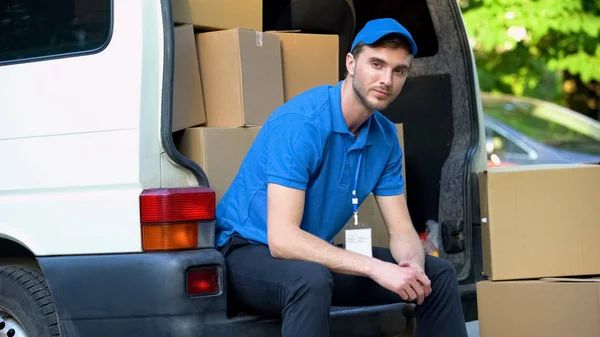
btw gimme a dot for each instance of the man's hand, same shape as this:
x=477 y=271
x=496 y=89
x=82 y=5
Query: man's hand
x=416 y=266
x=409 y=283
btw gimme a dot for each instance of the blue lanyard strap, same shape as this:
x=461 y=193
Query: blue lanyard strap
x=354 y=197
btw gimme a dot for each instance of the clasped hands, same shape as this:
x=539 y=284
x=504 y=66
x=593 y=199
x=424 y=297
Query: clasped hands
x=407 y=279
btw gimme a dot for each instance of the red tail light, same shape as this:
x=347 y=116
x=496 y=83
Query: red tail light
x=177 y=205
x=172 y=218
x=203 y=281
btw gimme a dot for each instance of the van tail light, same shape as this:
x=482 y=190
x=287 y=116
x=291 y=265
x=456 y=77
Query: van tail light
x=177 y=204
x=176 y=218
x=170 y=236
x=204 y=281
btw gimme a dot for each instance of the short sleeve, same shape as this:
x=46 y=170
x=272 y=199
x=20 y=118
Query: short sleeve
x=391 y=181
x=293 y=151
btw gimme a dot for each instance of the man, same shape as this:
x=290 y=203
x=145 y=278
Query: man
x=294 y=192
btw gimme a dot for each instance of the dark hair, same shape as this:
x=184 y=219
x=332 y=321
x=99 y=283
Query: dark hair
x=393 y=41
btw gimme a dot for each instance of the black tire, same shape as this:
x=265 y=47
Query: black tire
x=24 y=294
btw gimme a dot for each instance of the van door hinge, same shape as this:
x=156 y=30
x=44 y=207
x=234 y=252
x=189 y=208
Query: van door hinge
x=453 y=240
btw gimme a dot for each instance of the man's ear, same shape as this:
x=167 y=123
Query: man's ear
x=350 y=64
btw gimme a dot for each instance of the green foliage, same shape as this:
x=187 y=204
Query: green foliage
x=523 y=46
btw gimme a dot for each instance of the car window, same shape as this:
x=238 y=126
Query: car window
x=556 y=131
x=32 y=29
x=502 y=149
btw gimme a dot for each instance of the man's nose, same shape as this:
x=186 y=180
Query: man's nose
x=385 y=77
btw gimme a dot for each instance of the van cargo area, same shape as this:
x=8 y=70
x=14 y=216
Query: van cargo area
x=136 y=128
x=437 y=111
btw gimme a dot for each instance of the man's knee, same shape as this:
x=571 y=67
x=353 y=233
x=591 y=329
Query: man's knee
x=440 y=269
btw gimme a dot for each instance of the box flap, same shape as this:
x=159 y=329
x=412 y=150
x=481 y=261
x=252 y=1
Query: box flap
x=537 y=167
x=284 y=31
x=595 y=279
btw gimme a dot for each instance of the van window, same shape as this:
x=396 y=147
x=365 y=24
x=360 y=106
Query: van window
x=33 y=29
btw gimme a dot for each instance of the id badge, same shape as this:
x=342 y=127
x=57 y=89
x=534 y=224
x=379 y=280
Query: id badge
x=358 y=239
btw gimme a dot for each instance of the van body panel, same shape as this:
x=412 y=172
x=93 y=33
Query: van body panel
x=90 y=220
x=80 y=140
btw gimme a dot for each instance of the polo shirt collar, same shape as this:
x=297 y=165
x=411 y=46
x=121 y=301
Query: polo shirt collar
x=339 y=123
x=335 y=97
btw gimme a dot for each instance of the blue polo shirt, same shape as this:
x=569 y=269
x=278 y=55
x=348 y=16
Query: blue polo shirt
x=306 y=145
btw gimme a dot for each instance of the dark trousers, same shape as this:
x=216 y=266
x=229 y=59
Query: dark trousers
x=301 y=292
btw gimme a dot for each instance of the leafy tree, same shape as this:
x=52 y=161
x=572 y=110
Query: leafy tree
x=547 y=49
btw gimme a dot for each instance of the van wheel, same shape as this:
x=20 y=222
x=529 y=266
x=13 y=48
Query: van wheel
x=26 y=307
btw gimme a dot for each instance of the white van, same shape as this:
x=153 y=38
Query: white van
x=107 y=230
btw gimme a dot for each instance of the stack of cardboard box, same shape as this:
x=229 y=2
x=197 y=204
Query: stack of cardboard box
x=541 y=251
x=230 y=76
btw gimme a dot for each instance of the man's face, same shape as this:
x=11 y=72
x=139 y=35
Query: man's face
x=379 y=75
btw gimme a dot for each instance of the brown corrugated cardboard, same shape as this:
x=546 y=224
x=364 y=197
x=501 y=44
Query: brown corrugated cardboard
x=188 y=101
x=219 y=151
x=241 y=76
x=309 y=60
x=540 y=221
x=219 y=14
x=370 y=214
x=538 y=308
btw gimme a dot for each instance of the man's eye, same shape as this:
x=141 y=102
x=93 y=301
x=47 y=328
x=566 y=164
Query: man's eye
x=376 y=64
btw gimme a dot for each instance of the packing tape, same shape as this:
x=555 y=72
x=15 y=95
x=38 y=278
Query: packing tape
x=259 y=39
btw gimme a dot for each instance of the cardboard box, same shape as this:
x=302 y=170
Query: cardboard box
x=369 y=212
x=241 y=76
x=540 y=221
x=309 y=60
x=188 y=101
x=219 y=14
x=548 y=308
x=219 y=151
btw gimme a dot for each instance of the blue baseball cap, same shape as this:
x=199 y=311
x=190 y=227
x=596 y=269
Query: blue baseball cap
x=376 y=29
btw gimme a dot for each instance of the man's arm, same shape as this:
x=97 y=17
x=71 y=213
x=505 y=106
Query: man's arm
x=287 y=240
x=405 y=244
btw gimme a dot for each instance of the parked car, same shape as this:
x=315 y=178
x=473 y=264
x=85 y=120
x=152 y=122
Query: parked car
x=522 y=131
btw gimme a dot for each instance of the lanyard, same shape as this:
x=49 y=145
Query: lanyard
x=354 y=197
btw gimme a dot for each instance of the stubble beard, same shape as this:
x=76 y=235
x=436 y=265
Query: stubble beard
x=362 y=92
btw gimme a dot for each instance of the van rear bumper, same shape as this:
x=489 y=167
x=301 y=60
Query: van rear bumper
x=132 y=294
x=145 y=295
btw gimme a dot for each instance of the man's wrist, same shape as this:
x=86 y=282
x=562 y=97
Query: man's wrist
x=370 y=267
x=412 y=264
